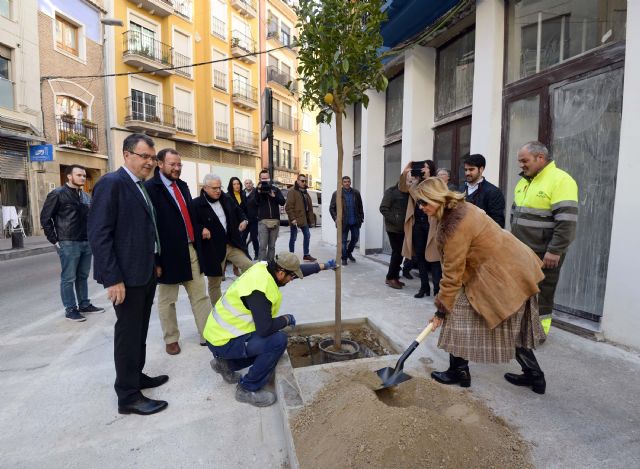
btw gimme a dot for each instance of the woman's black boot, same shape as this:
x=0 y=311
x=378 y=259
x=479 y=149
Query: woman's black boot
x=532 y=374
x=422 y=292
x=458 y=372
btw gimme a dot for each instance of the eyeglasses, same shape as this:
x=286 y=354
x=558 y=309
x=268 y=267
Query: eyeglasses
x=144 y=156
x=303 y=180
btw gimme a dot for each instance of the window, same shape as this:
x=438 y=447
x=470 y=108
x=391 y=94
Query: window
x=6 y=85
x=221 y=118
x=393 y=112
x=544 y=34
x=141 y=40
x=66 y=36
x=220 y=80
x=285 y=34
x=272 y=61
x=182 y=53
x=307 y=159
x=144 y=106
x=357 y=125
x=286 y=155
x=306 y=122
x=5 y=8
x=285 y=70
x=454 y=85
x=183 y=8
x=219 y=19
x=183 y=103
x=276 y=152
x=68 y=105
x=272 y=25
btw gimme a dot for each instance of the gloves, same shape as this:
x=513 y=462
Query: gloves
x=330 y=264
x=291 y=321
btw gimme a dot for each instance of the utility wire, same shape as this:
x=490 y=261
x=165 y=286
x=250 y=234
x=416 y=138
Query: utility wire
x=140 y=72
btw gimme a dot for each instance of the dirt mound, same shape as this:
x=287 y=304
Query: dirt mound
x=418 y=424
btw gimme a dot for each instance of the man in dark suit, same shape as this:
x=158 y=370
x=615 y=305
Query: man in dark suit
x=481 y=192
x=124 y=240
x=221 y=221
x=179 y=262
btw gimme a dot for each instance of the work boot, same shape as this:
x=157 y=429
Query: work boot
x=458 y=372
x=261 y=398
x=532 y=374
x=219 y=365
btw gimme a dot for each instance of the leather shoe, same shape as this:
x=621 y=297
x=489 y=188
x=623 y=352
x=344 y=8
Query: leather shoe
x=173 y=348
x=147 y=382
x=406 y=273
x=393 y=283
x=401 y=283
x=421 y=293
x=143 y=406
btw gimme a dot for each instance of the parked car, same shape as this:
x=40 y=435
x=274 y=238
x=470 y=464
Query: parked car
x=316 y=200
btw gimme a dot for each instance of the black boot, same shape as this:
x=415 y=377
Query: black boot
x=422 y=292
x=458 y=372
x=532 y=374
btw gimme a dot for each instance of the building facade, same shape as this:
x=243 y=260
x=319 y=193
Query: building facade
x=20 y=116
x=488 y=76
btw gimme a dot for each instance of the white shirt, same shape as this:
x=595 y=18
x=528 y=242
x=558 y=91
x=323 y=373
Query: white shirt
x=219 y=211
x=471 y=188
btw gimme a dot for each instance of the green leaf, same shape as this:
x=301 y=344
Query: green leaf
x=365 y=101
x=345 y=65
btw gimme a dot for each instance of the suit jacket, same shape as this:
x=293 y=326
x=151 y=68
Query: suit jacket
x=489 y=198
x=174 y=258
x=121 y=232
x=214 y=250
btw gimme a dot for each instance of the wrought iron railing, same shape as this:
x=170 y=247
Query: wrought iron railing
x=184 y=121
x=222 y=131
x=245 y=92
x=136 y=42
x=284 y=79
x=180 y=60
x=245 y=138
x=80 y=133
x=149 y=111
x=219 y=27
x=220 y=80
x=183 y=8
x=244 y=42
x=285 y=121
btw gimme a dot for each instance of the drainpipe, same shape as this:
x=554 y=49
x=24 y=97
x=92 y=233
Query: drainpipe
x=107 y=100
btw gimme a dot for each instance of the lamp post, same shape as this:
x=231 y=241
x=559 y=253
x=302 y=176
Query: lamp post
x=107 y=101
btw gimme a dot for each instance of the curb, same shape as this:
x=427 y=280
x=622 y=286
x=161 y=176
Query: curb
x=26 y=252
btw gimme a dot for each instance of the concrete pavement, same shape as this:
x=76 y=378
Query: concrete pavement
x=32 y=245
x=60 y=409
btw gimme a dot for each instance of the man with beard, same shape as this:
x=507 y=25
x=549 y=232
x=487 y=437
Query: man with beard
x=300 y=212
x=481 y=192
x=244 y=328
x=179 y=263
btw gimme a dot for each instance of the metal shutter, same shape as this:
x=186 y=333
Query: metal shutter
x=13 y=159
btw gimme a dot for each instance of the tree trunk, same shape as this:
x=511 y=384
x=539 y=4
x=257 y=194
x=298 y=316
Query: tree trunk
x=337 y=340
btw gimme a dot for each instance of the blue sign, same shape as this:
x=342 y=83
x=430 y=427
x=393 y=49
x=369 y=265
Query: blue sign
x=40 y=153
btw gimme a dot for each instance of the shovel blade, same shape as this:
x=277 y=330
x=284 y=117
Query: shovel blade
x=391 y=377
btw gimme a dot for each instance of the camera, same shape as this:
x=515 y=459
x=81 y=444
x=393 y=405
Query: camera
x=416 y=168
x=264 y=187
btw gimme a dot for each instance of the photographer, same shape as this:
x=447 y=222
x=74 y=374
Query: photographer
x=266 y=200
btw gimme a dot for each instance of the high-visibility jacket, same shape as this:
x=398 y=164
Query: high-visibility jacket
x=230 y=318
x=544 y=213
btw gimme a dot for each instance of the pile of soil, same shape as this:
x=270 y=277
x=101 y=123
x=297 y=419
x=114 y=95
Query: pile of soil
x=417 y=424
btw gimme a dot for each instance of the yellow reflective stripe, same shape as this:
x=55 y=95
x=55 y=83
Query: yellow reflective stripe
x=232 y=310
x=225 y=325
x=534 y=223
x=566 y=217
x=563 y=204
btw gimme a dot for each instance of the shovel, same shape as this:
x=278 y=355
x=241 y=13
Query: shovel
x=393 y=376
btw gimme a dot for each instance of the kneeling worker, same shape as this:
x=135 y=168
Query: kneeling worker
x=244 y=329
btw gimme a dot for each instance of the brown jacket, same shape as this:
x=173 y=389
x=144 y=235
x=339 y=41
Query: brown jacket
x=295 y=208
x=497 y=271
x=431 y=253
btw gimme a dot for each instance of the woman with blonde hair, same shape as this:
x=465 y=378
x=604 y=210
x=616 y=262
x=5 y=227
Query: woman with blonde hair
x=487 y=303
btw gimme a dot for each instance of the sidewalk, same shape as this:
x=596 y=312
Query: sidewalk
x=33 y=245
x=58 y=388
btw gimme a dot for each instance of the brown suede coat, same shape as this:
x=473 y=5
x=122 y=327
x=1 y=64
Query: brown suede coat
x=497 y=271
x=431 y=253
x=295 y=208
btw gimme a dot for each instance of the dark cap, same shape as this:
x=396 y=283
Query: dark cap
x=289 y=261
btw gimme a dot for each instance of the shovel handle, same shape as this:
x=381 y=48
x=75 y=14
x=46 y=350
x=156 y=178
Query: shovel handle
x=425 y=332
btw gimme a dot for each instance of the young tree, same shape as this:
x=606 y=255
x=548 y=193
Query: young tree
x=339 y=61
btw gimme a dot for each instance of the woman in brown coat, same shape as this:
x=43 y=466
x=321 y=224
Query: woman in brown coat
x=487 y=304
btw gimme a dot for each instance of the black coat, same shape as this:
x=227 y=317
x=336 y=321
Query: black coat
x=214 y=250
x=357 y=198
x=174 y=256
x=64 y=215
x=489 y=198
x=121 y=234
x=266 y=207
x=243 y=201
x=394 y=208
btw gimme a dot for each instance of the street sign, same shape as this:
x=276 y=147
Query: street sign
x=41 y=153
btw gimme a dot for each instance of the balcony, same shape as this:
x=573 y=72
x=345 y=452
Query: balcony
x=220 y=80
x=285 y=121
x=243 y=47
x=219 y=28
x=184 y=121
x=156 y=7
x=6 y=94
x=183 y=8
x=283 y=79
x=246 y=8
x=150 y=116
x=222 y=131
x=180 y=60
x=245 y=140
x=244 y=95
x=144 y=52
x=81 y=134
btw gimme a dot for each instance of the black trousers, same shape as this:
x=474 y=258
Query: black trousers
x=396 y=240
x=130 y=339
x=252 y=232
x=420 y=234
x=548 y=287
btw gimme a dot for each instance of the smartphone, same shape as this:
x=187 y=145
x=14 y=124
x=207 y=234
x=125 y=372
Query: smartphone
x=416 y=168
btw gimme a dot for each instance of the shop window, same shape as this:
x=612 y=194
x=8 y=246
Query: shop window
x=544 y=34
x=454 y=82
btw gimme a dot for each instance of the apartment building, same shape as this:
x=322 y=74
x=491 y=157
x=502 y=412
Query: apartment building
x=310 y=149
x=209 y=113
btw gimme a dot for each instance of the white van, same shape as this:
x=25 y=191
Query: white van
x=316 y=200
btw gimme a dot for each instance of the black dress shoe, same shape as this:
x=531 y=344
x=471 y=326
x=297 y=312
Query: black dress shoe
x=147 y=382
x=143 y=406
x=421 y=293
x=351 y=258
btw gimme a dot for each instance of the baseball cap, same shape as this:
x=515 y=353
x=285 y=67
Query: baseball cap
x=289 y=261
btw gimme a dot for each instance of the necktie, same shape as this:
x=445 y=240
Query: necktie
x=153 y=213
x=183 y=210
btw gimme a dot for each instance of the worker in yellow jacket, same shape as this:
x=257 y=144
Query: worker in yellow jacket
x=244 y=329
x=544 y=216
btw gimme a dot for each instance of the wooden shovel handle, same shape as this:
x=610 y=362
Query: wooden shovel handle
x=425 y=333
